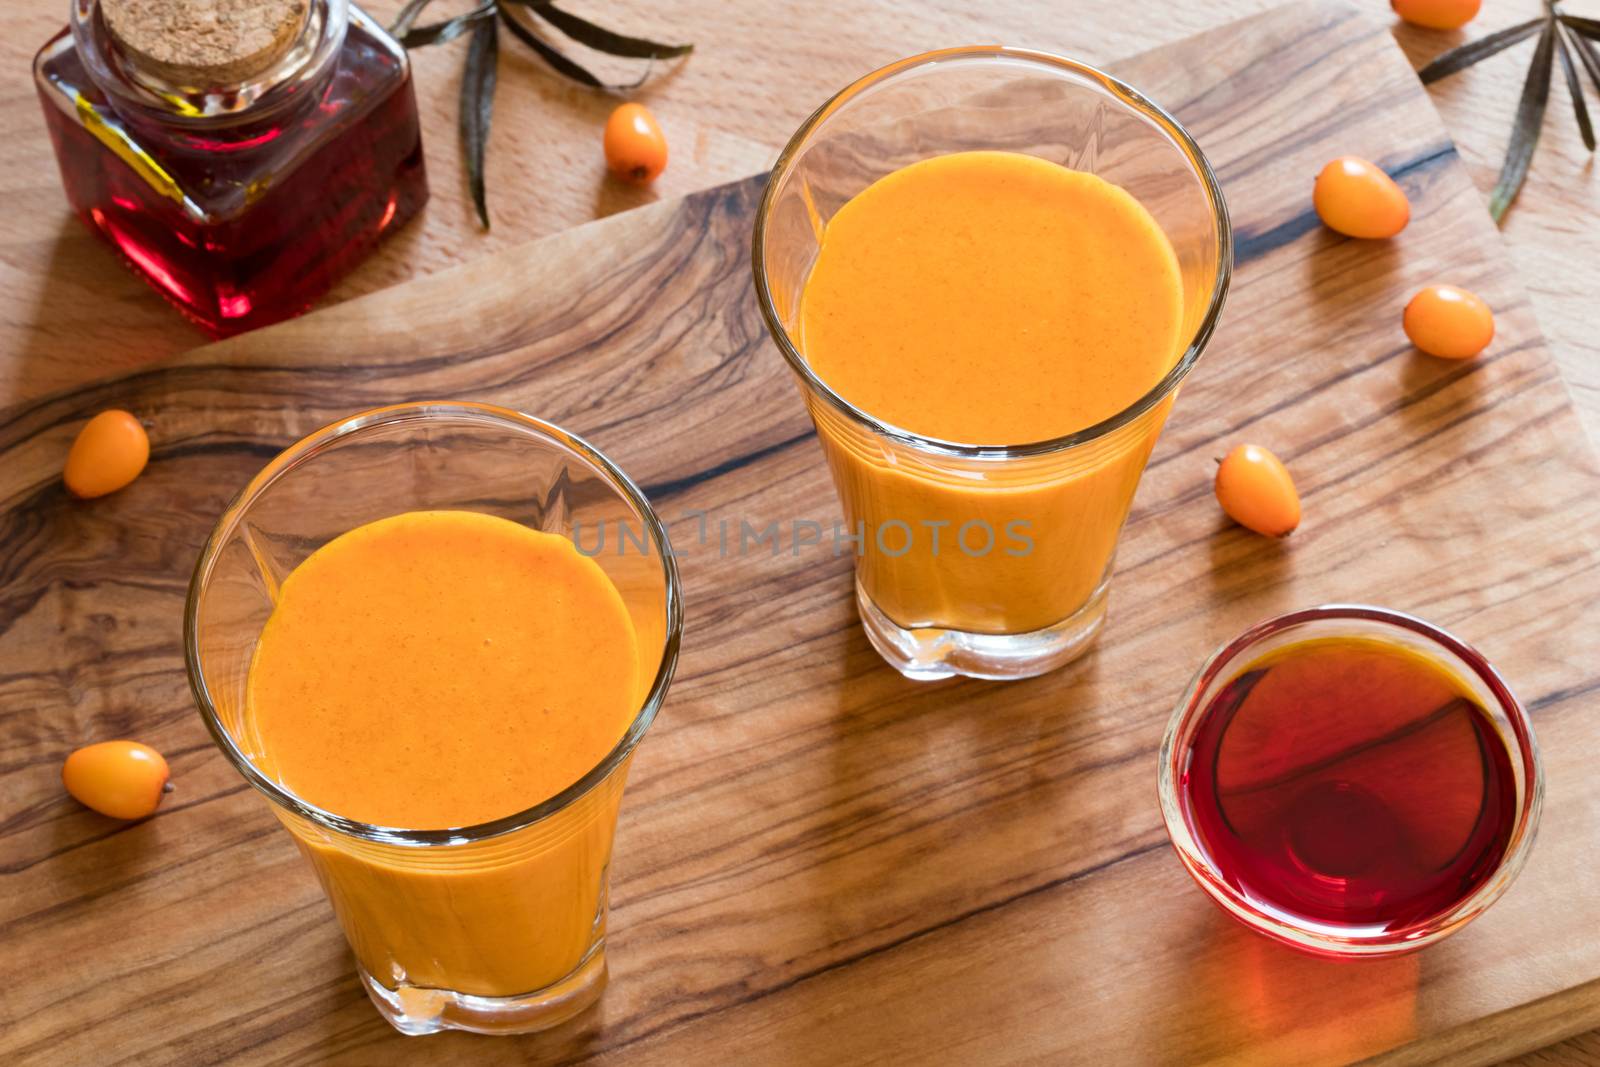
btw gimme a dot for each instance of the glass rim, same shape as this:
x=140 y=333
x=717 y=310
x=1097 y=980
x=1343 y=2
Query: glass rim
x=309 y=446
x=1117 y=89
x=1523 y=749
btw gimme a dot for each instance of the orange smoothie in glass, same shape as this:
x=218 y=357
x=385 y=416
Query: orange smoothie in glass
x=443 y=669
x=990 y=298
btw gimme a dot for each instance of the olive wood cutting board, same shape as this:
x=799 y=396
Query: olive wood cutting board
x=819 y=861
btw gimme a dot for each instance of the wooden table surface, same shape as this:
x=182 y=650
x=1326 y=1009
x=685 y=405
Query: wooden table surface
x=69 y=313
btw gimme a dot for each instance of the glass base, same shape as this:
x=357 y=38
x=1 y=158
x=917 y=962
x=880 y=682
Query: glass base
x=930 y=654
x=415 y=1010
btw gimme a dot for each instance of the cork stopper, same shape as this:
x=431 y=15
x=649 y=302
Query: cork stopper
x=204 y=43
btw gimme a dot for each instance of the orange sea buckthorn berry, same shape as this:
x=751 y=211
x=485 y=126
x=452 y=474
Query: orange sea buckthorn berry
x=1448 y=322
x=109 y=452
x=636 y=149
x=1358 y=199
x=122 y=779
x=1255 y=489
x=1437 y=14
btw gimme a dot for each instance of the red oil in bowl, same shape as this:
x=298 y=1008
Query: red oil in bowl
x=1349 y=782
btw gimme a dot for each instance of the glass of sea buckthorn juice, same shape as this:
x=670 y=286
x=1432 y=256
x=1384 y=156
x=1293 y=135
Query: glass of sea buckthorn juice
x=432 y=635
x=990 y=270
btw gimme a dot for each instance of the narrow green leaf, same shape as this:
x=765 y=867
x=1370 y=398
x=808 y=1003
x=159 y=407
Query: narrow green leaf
x=1575 y=90
x=1525 y=134
x=601 y=39
x=408 y=14
x=1461 y=58
x=477 y=107
x=560 y=63
x=447 y=31
x=1578 y=24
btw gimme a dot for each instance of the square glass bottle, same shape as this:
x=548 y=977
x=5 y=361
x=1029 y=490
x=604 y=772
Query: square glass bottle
x=241 y=156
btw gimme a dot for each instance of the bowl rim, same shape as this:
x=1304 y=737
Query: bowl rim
x=1328 y=940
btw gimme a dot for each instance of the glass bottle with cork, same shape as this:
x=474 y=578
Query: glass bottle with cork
x=241 y=155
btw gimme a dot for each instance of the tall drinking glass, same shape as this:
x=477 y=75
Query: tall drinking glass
x=498 y=927
x=1018 y=586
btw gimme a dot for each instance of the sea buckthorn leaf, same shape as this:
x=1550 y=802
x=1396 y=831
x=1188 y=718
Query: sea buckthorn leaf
x=1559 y=35
x=1461 y=58
x=1578 y=24
x=477 y=107
x=601 y=39
x=560 y=63
x=1525 y=133
x=478 y=80
x=408 y=15
x=447 y=31
x=1580 y=110
x=1587 y=55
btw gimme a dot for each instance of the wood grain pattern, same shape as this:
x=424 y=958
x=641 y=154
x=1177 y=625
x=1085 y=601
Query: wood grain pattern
x=819 y=861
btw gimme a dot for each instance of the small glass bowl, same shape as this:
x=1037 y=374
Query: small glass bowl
x=1351 y=620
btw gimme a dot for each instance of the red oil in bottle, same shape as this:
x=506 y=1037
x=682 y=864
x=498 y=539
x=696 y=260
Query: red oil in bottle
x=245 y=217
x=1350 y=782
